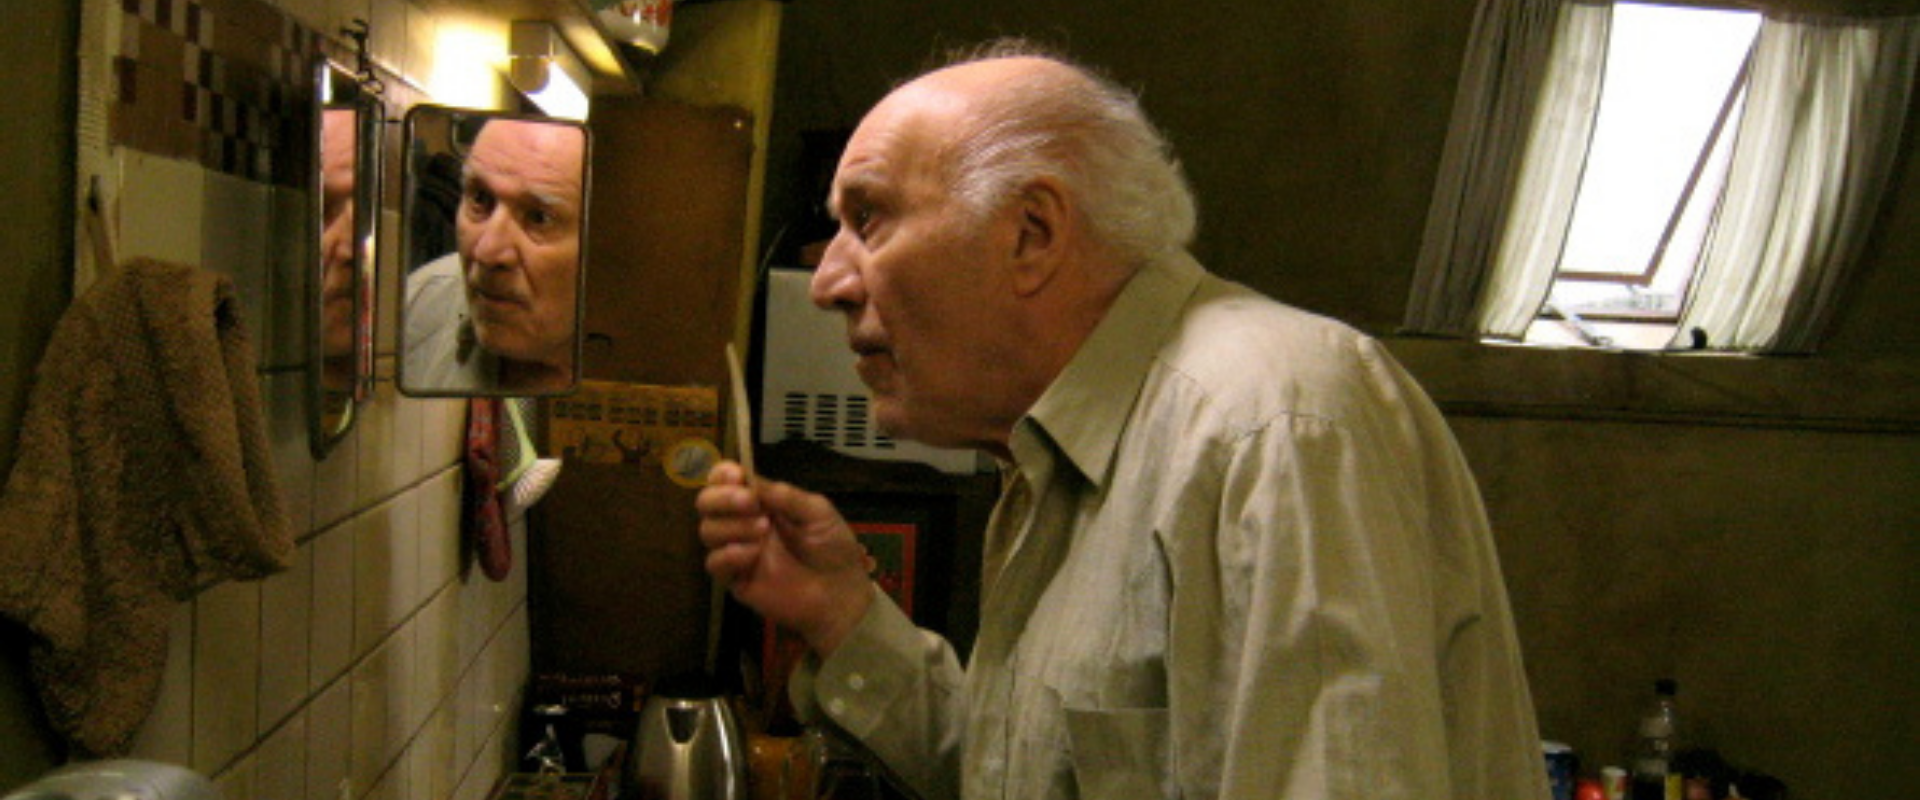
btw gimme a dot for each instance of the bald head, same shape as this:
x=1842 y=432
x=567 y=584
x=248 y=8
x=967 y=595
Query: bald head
x=1009 y=113
x=989 y=213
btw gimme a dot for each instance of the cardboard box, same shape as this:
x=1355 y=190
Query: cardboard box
x=608 y=422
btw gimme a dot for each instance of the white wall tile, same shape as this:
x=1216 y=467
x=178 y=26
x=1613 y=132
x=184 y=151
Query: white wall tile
x=430 y=764
x=402 y=719
x=238 y=780
x=443 y=432
x=286 y=399
x=387 y=302
x=167 y=734
x=374 y=740
x=392 y=785
x=489 y=764
x=486 y=604
x=226 y=670
x=280 y=765
x=332 y=617
x=436 y=666
x=405 y=546
x=286 y=639
x=476 y=614
x=408 y=440
x=290 y=255
x=373 y=577
x=336 y=484
x=160 y=207
x=235 y=229
x=342 y=13
x=422 y=32
x=330 y=743
x=313 y=14
x=473 y=719
x=389 y=40
x=490 y=689
x=510 y=649
x=379 y=475
x=439 y=530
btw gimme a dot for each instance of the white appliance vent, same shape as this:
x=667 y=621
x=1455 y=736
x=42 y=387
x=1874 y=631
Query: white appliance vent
x=809 y=390
x=835 y=420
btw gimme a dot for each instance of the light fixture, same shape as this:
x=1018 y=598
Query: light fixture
x=546 y=70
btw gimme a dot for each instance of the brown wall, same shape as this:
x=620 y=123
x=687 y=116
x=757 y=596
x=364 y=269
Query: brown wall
x=1747 y=528
x=36 y=191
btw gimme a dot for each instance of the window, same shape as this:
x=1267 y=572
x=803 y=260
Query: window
x=1670 y=98
x=1646 y=176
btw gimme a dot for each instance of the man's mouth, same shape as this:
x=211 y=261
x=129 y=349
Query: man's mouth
x=865 y=348
x=497 y=301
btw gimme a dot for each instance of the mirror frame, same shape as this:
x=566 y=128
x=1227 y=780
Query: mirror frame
x=331 y=410
x=410 y=194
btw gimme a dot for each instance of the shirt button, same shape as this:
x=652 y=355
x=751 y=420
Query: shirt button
x=856 y=681
x=837 y=706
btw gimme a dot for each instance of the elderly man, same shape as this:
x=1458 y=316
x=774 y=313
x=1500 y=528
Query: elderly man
x=499 y=314
x=339 y=282
x=1238 y=553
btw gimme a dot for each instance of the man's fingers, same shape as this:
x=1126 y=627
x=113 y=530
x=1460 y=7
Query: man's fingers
x=729 y=562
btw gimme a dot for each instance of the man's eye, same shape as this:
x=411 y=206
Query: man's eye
x=480 y=199
x=861 y=220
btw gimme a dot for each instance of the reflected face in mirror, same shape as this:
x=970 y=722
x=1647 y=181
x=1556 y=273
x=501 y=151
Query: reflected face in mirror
x=338 y=140
x=518 y=229
x=342 y=182
x=498 y=314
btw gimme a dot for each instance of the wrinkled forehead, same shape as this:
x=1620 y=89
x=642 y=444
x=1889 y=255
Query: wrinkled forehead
x=906 y=141
x=546 y=156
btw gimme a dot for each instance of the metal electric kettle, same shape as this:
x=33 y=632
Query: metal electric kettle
x=687 y=746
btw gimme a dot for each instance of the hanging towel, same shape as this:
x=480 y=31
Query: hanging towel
x=482 y=513
x=143 y=476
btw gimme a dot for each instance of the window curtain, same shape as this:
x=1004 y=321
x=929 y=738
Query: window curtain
x=1817 y=145
x=1529 y=84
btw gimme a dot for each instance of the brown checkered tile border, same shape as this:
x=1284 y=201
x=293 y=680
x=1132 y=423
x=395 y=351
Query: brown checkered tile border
x=221 y=82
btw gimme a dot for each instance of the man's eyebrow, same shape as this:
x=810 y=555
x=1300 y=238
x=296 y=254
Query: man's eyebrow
x=857 y=187
x=550 y=199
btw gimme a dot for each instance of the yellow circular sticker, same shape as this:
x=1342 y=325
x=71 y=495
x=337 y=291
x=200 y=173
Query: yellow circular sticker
x=687 y=461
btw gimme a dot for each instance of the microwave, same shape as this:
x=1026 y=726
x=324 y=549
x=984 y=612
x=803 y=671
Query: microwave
x=809 y=389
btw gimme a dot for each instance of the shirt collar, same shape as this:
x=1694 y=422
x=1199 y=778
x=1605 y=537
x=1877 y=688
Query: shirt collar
x=1085 y=410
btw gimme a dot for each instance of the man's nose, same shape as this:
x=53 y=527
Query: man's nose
x=336 y=239
x=836 y=284
x=495 y=245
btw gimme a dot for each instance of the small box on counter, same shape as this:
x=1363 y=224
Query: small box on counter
x=558 y=786
x=599 y=703
x=600 y=783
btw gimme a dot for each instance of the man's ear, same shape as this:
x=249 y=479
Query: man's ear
x=1040 y=248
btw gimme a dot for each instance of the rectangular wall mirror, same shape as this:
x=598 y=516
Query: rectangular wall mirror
x=349 y=121
x=494 y=252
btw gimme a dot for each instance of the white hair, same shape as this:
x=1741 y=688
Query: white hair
x=1090 y=134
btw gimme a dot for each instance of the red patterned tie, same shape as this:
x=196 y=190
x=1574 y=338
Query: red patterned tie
x=484 y=518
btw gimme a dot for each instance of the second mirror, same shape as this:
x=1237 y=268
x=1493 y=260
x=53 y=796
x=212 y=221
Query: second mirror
x=496 y=224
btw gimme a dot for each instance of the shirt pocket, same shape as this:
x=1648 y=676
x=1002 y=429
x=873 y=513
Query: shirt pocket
x=1120 y=753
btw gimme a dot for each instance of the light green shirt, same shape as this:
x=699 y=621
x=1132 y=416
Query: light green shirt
x=1239 y=556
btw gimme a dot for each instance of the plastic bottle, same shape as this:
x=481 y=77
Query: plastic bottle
x=1653 y=778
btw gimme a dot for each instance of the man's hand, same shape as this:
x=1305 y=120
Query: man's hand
x=786 y=553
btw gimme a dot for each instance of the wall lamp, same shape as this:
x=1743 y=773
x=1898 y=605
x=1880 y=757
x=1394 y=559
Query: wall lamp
x=546 y=70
